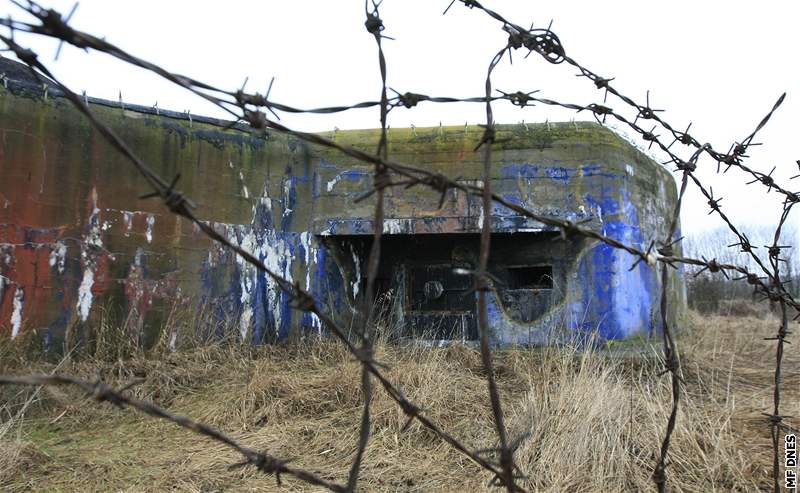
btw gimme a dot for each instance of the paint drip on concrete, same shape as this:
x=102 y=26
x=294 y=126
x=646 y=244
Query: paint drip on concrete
x=74 y=236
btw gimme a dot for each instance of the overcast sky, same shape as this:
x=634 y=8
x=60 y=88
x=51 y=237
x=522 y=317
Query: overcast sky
x=720 y=65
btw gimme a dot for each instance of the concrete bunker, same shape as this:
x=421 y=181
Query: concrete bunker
x=75 y=240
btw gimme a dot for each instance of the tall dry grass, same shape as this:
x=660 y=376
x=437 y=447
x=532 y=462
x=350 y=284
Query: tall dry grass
x=584 y=420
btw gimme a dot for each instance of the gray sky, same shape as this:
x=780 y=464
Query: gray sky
x=720 y=65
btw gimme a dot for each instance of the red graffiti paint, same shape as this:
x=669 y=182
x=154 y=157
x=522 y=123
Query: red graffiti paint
x=25 y=264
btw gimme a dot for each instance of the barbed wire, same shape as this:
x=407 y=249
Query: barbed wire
x=102 y=392
x=180 y=205
x=483 y=281
x=252 y=109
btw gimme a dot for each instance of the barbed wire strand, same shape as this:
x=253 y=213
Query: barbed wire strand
x=180 y=205
x=258 y=122
x=775 y=418
x=483 y=285
x=101 y=392
x=245 y=107
x=375 y=27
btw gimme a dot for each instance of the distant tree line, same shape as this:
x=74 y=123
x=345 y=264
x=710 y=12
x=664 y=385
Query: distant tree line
x=713 y=292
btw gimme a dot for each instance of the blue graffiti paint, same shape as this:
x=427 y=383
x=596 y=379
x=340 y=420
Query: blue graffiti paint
x=606 y=296
x=558 y=173
x=501 y=210
x=288 y=199
x=522 y=170
x=598 y=170
x=327 y=283
x=605 y=201
x=285 y=299
x=262 y=317
x=617 y=299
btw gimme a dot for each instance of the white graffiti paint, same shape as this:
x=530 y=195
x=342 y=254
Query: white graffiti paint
x=357 y=273
x=276 y=254
x=246 y=319
x=276 y=250
x=94 y=237
x=58 y=256
x=316 y=323
x=245 y=190
x=629 y=169
x=267 y=203
x=393 y=226
x=3 y=281
x=137 y=257
x=246 y=286
x=310 y=255
x=287 y=189
x=84 y=305
x=287 y=194
x=92 y=242
x=16 y=314
x=127 y=220
x=148 y=234
x=332 y=183
x=479 y=183
x=211 y=261
x=305 y=242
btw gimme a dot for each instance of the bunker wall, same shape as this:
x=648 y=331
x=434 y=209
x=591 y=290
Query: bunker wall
x=78 y=248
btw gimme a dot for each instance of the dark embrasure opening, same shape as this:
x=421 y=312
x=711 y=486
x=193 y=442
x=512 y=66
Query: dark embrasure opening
x=428 y=277
x=530 y=277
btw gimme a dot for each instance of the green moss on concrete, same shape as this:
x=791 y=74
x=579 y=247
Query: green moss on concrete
x=567 y=142
x=455 y=138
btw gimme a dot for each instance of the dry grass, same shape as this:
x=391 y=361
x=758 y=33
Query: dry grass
x=590 y=421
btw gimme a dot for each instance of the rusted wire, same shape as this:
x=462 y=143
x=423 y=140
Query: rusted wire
x=375 y=27
x=775 y=418
x=101 y=392
x=483 y=285
x=252 y=109
x=671 y=358
x=302 y=300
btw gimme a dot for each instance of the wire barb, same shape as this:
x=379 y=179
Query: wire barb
x=255 y=109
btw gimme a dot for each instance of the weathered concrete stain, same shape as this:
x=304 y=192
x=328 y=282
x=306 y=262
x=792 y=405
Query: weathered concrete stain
x=74 y=237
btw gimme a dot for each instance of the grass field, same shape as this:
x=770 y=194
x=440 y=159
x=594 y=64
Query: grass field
x=593 y=419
